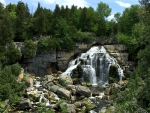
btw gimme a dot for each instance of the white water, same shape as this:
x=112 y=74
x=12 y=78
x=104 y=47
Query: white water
x=37 y=85
x=95 y=64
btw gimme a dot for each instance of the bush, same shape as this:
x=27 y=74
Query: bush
x=13 y=54
x=48 y=44
x=30 y=49
x=16 y=68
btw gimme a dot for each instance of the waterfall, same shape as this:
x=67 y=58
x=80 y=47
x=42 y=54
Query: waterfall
x=95 y=64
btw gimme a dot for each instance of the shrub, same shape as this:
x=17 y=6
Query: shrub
x=30 y=49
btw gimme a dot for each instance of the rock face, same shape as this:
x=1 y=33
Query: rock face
x=118 y=51
x=49 y=62
x=82 y=90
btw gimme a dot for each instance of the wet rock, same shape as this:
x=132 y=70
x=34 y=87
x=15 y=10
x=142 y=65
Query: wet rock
x=25 y=104
x=65 y=80
x=95 y=93
x=82 y=90
x=61 y=92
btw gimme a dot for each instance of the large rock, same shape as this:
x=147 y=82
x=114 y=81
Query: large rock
x=65 y=80
x=82 y=90
x=29 y=81
x=68 y=108
x=61 y=92
x=53 y=88
x=21 y=75
x=25 y=104
x=50 y=78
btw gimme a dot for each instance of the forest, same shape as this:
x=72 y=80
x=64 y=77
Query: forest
x=64 y=27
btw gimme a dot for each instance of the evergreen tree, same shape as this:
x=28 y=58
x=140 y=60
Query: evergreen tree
x=23 y=14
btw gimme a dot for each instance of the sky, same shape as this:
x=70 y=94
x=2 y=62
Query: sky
x=115 y=5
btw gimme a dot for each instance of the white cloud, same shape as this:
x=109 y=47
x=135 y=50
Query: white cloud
x=122 y=4
x=3 y=2
x=110 y=17
x=79 y=3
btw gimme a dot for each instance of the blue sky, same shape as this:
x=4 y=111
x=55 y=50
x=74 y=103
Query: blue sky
x=115 y=5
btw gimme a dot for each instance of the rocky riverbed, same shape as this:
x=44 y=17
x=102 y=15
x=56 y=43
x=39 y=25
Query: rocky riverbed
x=62 y=94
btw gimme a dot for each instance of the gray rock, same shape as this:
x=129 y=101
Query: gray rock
x=25 y=104
x=50 y=78
x=107 y=91
x=61 y=92
x=53 y=88
x=82 y=90
x=69 y=108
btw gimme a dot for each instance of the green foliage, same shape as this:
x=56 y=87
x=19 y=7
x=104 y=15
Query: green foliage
x=13 y=54
x=48 y=44
x=9 y=88
x=30 y=49
x=16 y=69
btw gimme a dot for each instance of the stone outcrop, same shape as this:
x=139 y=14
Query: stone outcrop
x=118 y=51
x=50 y=62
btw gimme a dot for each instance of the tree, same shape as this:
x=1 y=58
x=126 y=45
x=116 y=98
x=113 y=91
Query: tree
x=6 y=29
x=129 y=17
x=13 y=54
x=23 y=15
x=102 y=11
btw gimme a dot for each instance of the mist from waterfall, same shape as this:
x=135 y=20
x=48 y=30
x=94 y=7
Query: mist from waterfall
x=95 y=64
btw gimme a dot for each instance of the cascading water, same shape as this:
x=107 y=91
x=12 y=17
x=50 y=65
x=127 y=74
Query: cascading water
x=95 y=64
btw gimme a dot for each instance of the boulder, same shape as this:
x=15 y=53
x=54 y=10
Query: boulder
x=79 y=104
x=21 y=75
x=95 y=93
x=29 y=81
x=68 y=108
x=123 y=82
x=61 y=92
x=50 y=78
x=30 y=89
x=71 y=108
x=107 y=91
x=70 y=87
x=25 y=104
x=82 y=90
x=53 y=88
x=65 y=80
